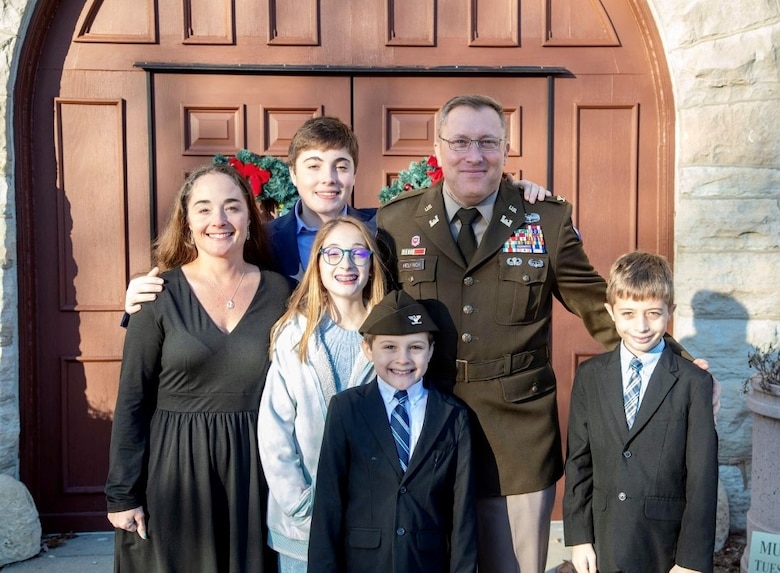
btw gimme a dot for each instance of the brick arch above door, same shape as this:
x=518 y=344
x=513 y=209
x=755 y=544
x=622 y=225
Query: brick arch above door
x=86 y=164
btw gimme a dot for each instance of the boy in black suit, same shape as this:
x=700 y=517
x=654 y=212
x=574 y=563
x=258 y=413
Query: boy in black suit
x=394 y=488
x=642 y=468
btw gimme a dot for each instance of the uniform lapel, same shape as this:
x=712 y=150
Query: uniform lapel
x=375 y=416
x=507 y=216
x=431 y=217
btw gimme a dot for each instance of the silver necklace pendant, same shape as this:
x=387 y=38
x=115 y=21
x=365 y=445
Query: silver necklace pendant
x=230 y=304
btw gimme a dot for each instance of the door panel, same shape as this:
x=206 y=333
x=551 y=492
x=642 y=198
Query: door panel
x=395 y=122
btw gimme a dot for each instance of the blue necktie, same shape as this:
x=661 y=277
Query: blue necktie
x=399 y=424
x=631 y=395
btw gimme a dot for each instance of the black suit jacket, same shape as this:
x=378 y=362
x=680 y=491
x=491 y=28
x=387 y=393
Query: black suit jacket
x=368 y=516
x=646 y=497
x=284 y=243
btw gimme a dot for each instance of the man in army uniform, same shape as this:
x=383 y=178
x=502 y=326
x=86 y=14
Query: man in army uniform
x=488 y=267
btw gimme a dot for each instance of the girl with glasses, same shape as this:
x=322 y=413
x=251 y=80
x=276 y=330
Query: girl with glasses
x=315 y=353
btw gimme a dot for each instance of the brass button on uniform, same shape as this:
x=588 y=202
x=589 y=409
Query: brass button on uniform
x=466 y=337
x=627 y=454
x=534 y=388
x=400 y=531
x=622 y=496
x=468 y=309
x=468 y=281
x=526 y=278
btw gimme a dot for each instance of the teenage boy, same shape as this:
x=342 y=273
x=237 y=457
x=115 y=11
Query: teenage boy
x=394 y=486
x=642 y=468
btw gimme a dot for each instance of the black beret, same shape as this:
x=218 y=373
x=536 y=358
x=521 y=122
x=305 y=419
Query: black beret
x=398 y=314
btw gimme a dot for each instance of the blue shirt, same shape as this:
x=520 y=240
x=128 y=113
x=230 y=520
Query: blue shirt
x=649 y=361
x=304 y=235
x=418 y=399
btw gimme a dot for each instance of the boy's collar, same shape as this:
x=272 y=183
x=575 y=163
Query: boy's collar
x=415 y=391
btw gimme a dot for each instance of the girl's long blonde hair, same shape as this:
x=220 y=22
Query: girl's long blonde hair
x=310 y=298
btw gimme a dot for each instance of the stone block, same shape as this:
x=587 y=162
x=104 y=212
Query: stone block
x=732 y=133
x=694 y=21
x=728 y=181
x=737 y=67
x=739 y=286
x=20 y=528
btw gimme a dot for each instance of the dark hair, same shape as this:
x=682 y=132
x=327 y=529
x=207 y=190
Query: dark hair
x=174 y=246
x=323 y=133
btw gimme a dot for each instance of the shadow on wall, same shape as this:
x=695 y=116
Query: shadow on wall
x=720 y=336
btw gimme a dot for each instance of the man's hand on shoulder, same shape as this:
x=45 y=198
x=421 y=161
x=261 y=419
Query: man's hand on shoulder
x=143 y=289
x=531 y=191
x=704 y=365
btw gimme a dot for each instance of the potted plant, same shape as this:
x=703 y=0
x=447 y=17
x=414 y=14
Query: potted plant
x=764 y=402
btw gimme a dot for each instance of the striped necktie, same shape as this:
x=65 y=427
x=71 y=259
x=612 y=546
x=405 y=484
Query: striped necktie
x=399 y=424
x=631 y=395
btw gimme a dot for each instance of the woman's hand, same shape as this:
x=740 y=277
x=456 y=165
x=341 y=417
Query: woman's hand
x=130 y=520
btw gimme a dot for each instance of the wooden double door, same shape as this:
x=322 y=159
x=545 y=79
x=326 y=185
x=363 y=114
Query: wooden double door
x=115 y=104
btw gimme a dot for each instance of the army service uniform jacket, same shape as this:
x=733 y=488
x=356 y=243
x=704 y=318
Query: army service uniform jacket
x=494 y=318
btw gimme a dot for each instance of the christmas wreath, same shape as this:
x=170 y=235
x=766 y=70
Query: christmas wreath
x=419 y=175
x=268 y=176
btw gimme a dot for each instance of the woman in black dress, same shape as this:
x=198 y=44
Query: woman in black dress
x=185 y=488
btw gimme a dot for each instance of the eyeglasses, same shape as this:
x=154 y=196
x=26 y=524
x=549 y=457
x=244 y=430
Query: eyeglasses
x=334 y=255
x=462 y=144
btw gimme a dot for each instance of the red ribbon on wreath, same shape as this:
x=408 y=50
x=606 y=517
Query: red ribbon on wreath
x=256 y=176
x=434 y=171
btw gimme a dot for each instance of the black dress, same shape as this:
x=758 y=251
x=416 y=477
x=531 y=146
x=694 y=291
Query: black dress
x=184 y=439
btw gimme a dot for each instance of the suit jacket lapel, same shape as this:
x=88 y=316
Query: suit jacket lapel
x=284 y=241
x=437 y=411
x=661 y=382
x=375 y=416
x=613 y=400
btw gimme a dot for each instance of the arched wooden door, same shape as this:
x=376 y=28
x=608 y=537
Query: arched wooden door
x=106 y=92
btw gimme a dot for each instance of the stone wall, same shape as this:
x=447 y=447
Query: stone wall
x=14 y=15
x=723 y=60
